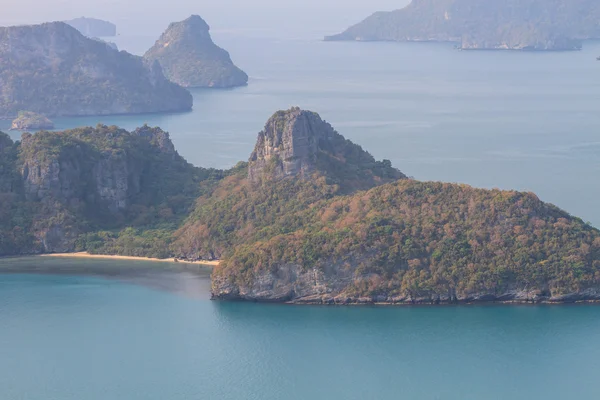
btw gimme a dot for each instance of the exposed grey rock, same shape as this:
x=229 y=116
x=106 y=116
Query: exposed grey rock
x=297 y=143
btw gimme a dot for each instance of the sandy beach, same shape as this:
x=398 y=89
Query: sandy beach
x=108 y=257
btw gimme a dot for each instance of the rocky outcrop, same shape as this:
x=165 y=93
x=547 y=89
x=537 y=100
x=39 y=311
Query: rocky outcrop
x=92 y=27
x=52 y=69
x=94 y=176
x=296 y=143
x=31 y=121
x=289 y=145
x=537 y=25
x=295 y=284
x=189 y=57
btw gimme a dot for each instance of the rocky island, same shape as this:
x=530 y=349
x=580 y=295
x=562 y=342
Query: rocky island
x=54 y=70
x=189 y=57
x=310 y=218
x=27 y=120
x=92 y=27
x=536 y=25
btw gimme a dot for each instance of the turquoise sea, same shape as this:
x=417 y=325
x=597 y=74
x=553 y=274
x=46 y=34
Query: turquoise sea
x=141 y=336
x=526 y=121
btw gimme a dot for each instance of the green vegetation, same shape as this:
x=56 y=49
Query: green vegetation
x=419 y=240
x=93 y=188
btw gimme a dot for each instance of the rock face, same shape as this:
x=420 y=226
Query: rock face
x=480 y=24
x=31 y=121
x=296 y=143
x=92 y=27
x=189 y=57
x=53 y=70
x=93 y=175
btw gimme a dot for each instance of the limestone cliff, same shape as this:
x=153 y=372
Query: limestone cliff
x=96 y=177
x=297 y=143
x=539 y=25
x=189 y=57
x=54 y=70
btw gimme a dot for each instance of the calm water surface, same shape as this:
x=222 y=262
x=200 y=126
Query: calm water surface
x=526 y=121
x=68 y=337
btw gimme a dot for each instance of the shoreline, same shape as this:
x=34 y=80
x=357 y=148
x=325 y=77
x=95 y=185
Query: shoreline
x=86 y=255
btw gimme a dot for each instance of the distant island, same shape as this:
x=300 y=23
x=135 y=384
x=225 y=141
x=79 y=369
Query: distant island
x=189 y=57
x=536 y=25
x=28 y=120
x=310 y=218
x=92 y=27
x=54 y=70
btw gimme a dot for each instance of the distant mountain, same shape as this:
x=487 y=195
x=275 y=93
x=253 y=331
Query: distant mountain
x=92 y=27
x=189 y=57
x=54 y=70
x=484 y=24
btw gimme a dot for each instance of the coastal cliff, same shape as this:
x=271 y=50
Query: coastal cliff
x=536 y=25
x=288 y=232
x=297 y=143
x=54 y=70
x=189 y=57
x=75 y=182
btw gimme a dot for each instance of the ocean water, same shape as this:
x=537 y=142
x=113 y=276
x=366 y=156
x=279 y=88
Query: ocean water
x=525 y=121
x=69 y=337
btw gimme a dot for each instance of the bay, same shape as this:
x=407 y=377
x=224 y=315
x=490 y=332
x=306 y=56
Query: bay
x=85 y=337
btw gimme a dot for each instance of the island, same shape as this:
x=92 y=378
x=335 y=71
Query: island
x=28 y=120
x=310 y=218
x=189 y=57
x=92 y=27
x=54 y=70
x=553 y=25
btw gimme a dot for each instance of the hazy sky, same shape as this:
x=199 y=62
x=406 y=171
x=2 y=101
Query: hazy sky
x=152 y=15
